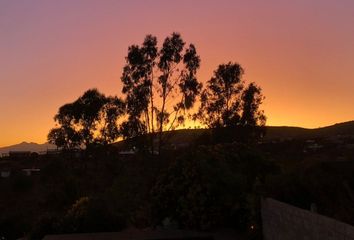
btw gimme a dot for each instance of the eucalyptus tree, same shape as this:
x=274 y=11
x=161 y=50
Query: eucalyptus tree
x=91 y=119
x=226 y=102
x=160 y=85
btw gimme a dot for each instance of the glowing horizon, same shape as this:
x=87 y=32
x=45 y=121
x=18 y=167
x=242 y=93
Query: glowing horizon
x=300 y=53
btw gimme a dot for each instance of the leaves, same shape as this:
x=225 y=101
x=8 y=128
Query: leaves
x=92 y=118
x=158 y=83
x=252 y=98
x=226 y=103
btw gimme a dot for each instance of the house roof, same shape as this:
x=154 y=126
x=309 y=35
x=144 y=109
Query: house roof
x=134 y=234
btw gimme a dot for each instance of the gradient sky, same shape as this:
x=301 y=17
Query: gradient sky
x=300 y=52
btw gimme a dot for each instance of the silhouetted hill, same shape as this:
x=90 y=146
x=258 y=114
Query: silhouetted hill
x=345 y=128
x=175 y=137
x=281 y=132
x=25 y=146
x=183 y=136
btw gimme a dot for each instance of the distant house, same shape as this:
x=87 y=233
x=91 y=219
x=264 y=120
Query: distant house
x=31 y=171
x=315 y=146
x=19 y=154
x=312 y=146
x=4 y=155
x=5 y=173
x=129 y=152
x=53 y=151
x=176 y=146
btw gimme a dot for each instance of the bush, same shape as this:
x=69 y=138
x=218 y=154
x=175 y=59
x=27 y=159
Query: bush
x=210 y=186
x=89 y=215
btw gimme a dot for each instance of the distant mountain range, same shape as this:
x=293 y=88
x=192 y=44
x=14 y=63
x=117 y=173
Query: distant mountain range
x=25 y=146
x=189 y=135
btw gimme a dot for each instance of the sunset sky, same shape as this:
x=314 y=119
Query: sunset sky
x=300 y=52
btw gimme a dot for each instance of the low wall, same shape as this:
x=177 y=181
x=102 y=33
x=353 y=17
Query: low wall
x=286 y=222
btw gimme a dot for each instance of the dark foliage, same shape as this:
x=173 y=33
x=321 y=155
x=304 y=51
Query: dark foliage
x=210 y=186
x=89 y=120
x=227 y=103
x=160 y=85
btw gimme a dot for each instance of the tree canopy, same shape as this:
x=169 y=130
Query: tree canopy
x=226 y=102
x=92 y=118
x=159 y=84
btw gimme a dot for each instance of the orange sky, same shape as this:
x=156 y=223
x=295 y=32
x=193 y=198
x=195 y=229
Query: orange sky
x=300 y=52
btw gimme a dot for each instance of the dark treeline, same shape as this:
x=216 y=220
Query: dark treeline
x=201 y=187
x=206 y=185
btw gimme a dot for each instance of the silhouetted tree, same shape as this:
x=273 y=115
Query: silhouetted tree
x=251 y=100
x=64 y=137
x=160 y=85
x=225 y=102
x=110 y=113
x=92 y=118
